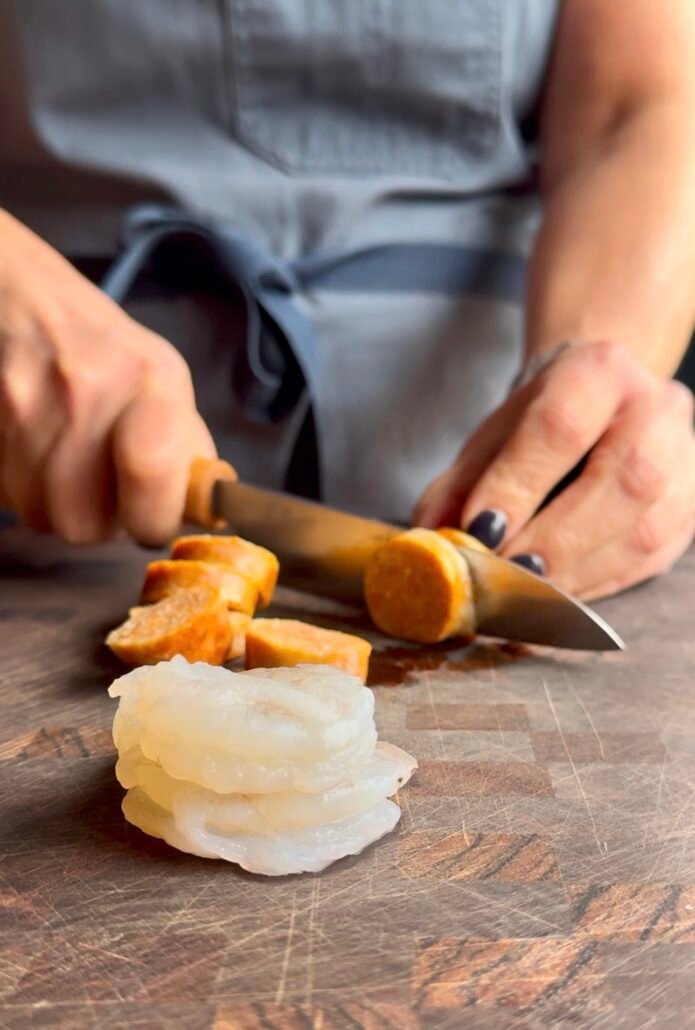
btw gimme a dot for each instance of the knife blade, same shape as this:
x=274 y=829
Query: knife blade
x=324 y=551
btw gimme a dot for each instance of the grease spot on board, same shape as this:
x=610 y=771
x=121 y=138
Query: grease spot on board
x=393 y=666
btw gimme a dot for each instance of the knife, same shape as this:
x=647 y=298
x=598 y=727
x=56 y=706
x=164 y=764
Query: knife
x=324 y=551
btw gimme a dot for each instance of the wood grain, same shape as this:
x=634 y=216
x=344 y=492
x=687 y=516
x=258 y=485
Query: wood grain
x=543 y=874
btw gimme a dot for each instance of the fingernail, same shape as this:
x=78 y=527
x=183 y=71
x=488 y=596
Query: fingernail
x=532 y=562
x=489 y=527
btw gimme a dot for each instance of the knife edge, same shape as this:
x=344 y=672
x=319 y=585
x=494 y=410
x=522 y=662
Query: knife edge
x=324 y=551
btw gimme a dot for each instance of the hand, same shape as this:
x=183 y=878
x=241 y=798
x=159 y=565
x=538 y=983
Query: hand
x=631 y=512
x=98 y=421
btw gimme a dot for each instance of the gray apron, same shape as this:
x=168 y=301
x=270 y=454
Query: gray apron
x=382 y=140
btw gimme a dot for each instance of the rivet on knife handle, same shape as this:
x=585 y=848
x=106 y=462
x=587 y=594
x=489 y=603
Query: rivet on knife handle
x=203 y=475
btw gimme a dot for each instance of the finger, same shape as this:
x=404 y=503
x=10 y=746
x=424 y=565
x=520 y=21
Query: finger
x=153 y=445
x=80 y=489
x=634 y=554
x=442 y=501
x=625 y=563
x=31 y=418
x=79 y=474
x=576 y=400
x=21 y=480
x=635 y=482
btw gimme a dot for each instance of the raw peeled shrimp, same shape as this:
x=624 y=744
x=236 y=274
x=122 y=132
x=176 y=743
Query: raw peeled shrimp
x=276 y=770
x=274 y=834
x=242 y=732
x=381 y=777
x=304 y=851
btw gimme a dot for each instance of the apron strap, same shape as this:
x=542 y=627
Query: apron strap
x=279 y=362
x=279 y=359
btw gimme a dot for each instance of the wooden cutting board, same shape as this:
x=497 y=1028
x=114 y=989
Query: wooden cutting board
x=543 y=873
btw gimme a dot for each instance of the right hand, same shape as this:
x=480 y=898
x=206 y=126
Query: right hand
x=98 y=421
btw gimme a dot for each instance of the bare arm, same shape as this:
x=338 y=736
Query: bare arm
x=614 y=267
x=615 y=258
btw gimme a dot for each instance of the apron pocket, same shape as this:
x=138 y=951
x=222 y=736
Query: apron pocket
x=359 y=87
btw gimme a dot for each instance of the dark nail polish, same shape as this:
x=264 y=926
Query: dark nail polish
x=489 y=527
x=532 y=562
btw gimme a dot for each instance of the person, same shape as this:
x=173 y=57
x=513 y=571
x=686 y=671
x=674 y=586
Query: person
x=341 y=204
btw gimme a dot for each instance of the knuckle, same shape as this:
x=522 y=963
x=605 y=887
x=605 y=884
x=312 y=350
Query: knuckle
x=80 y=386
x=560 y=424
x=641 y=477
x=88 y=378
x=10 y=398
x=84 y=379
x=17 y=392
x=680 y=399
x=146 y=469
x=169 y=366
x=647 y=535
x=132 y=365
x=607 y=354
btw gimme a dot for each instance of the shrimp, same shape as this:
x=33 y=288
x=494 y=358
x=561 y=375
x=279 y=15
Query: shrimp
x=277 y=770
x=244 y=732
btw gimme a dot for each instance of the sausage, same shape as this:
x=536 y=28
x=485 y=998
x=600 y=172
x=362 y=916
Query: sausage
x=164 y=577
x=460 y=539
x=252 y=561
x=273 y=643
x=193 y=623
x=418 y=587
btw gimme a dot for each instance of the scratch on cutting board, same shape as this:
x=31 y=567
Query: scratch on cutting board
x=681 y=813
x=280 y=993
x=491 y=903
x=586 y=713
x=551 y=705
x=83 y=946
x=430 y=697
x=311 y=933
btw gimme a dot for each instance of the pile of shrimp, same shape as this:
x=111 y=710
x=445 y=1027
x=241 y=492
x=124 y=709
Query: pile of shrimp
x=278 y=770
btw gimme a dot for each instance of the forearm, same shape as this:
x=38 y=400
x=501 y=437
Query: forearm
x=615 y=256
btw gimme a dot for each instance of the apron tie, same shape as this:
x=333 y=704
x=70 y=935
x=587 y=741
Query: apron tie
x=278 y=362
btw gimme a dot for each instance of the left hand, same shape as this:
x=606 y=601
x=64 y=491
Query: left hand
x=631 y=512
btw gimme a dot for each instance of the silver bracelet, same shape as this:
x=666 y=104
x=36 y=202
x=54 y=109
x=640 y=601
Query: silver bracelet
x=540 y=363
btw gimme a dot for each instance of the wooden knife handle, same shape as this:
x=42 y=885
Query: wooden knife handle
x=204 y=473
